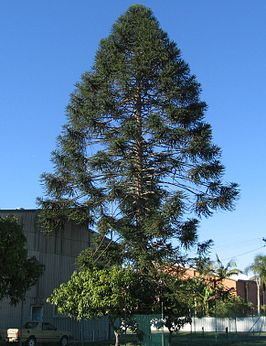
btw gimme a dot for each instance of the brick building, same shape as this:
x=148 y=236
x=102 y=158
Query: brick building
x=246 y=289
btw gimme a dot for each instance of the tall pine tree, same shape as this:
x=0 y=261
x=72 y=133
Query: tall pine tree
x=136 y=157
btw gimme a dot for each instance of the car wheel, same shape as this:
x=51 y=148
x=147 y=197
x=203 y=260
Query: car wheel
x=64 y=341
x=31 y=341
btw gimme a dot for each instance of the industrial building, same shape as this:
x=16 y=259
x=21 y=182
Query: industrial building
x=58 y=252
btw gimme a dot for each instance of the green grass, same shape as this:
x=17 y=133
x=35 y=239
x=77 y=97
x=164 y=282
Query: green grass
x=186 y=339
x=182 y=339
x=211 y=339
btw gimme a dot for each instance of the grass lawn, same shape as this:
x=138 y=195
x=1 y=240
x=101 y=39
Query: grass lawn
x=210 y=339
x=182 y=339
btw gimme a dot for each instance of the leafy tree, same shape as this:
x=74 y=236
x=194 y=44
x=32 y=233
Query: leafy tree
x=17 y=272
x=208 y=288
x=258 y=267
x=136 y=157
x=114 y=292
x=232 y=307
x=174 y=301
x=204 y=296
x=102 y=253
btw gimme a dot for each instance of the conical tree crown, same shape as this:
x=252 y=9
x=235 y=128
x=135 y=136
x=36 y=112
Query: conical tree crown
x=137 y=49
x=136 y=156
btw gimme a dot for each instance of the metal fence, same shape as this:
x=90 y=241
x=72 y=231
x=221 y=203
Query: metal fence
x=211 y=324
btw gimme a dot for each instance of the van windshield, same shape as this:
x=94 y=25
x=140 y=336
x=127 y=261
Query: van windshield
x=31 y=325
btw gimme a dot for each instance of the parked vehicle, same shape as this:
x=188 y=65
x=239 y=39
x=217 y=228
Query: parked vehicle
x=41 y=332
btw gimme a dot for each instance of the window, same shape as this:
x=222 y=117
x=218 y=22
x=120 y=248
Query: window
x=48 y=326
x=37 y=313
x=31 y=325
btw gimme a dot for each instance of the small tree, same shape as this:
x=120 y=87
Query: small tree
x=114 y=292
x=232 y=307
x=176 y=307
x=17 y=272
x=258 y=268
x=208 y=288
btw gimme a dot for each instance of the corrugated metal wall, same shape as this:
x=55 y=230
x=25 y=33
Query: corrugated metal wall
x=58 y=252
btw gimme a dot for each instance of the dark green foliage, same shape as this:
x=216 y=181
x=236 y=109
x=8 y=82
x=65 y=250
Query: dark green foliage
x=17 y=272
x=174 y=300
x=102 y=253
x=232 y=307
x=136 y=157
x=207 y=290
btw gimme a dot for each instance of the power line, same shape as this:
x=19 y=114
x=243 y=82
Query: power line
x=239 y=242
x=245 y=253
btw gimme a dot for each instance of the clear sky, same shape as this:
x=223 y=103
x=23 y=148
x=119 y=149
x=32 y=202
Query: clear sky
x=47 y=44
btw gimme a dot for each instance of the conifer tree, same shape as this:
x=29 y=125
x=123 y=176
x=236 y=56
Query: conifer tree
x=136 y=157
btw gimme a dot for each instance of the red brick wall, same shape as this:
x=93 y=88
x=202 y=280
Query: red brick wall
x=247 y=290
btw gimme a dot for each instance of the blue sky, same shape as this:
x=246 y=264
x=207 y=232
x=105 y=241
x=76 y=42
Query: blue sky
x=46 y=45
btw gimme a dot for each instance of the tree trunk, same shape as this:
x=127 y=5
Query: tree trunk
x=139 y=157
x=258 y=294
x=117 y=338
x=116 y=331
